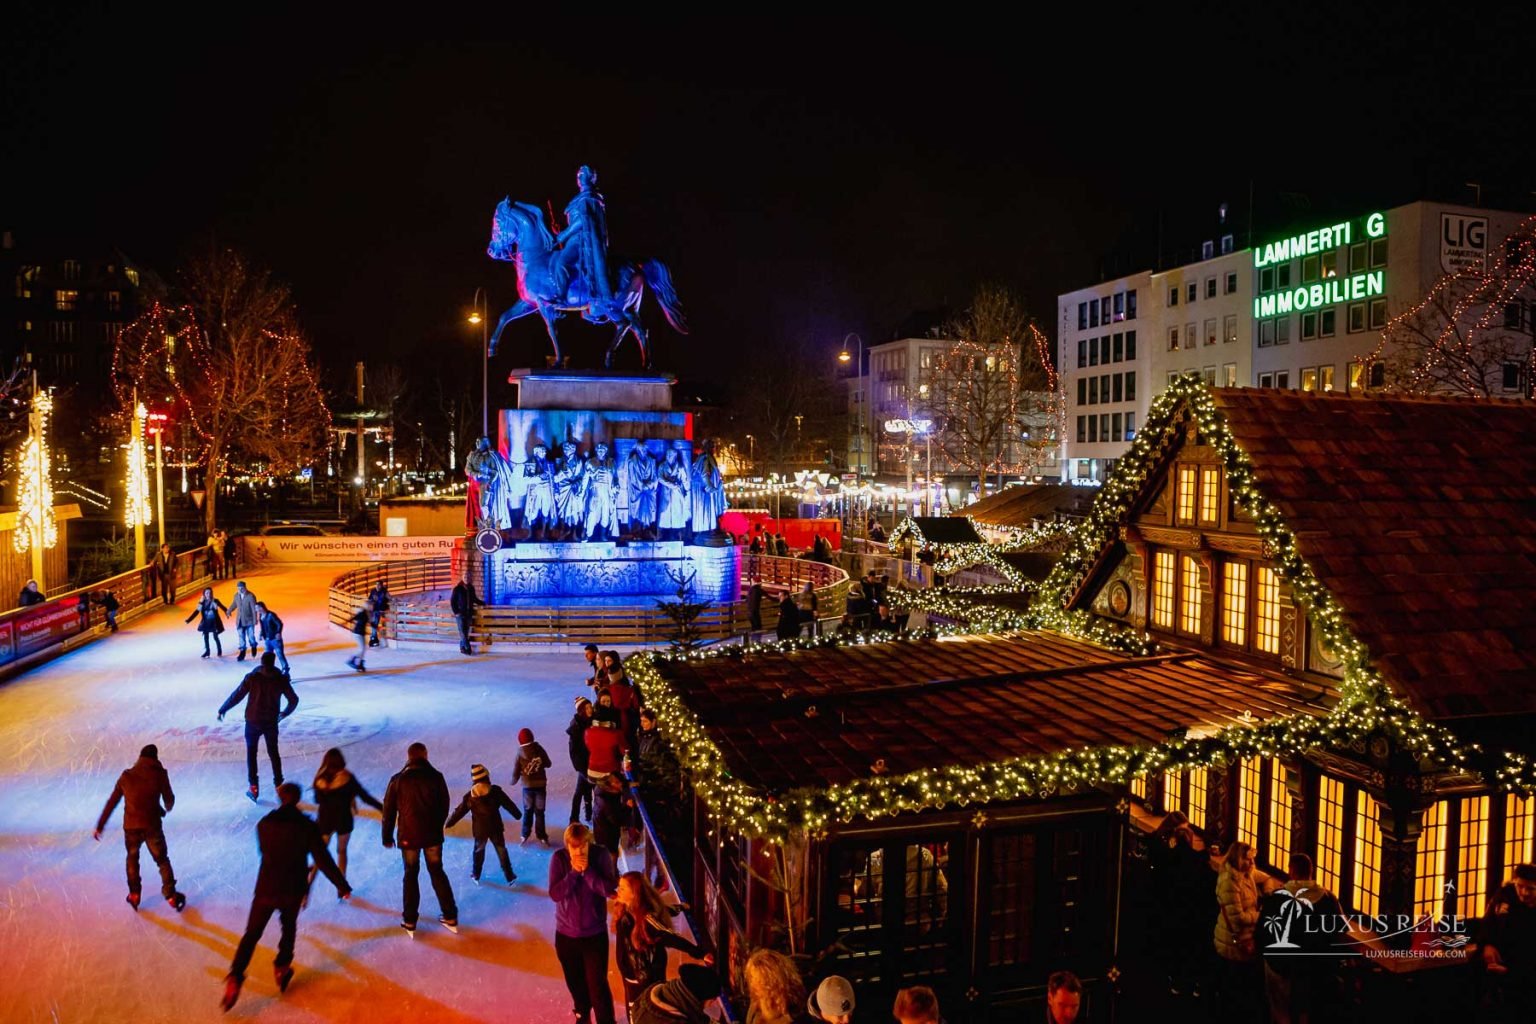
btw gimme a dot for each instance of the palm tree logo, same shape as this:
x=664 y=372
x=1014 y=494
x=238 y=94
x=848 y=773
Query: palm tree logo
x=1279 y=924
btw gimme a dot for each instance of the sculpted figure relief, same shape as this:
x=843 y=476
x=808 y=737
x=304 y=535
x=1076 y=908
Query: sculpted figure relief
x=602 y=519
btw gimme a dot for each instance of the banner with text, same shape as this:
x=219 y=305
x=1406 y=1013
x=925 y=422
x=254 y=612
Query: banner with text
x=261 y=550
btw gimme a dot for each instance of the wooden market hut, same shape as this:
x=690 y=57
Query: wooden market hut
x=1340 y=595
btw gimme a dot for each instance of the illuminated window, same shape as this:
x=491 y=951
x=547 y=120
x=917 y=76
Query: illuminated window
x=1173 y=790
x=1279 y=815
x=1367 y=897
x=1266 y=624
x=1189 y=617
x=1234 y=602
x=1199 y=789
x=1519 y=831
x=1139 y=787
x=1472 y=873
x=1210 y=495
x=1249 y=775
x=1429 y=863
x=64 y=299
x=1186 y=493
x=1330 y=832
x=1162 y=589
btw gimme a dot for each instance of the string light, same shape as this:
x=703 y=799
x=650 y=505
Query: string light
x=34 y=495
x=138 y=511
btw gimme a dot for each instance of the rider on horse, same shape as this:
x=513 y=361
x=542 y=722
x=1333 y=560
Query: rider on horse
x=583 y=255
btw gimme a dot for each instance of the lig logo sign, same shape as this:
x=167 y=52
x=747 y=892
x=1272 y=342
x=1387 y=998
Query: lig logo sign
x=1330 y=291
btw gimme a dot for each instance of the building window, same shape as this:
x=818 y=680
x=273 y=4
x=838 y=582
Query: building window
x=1308 y=326
x=1330 y=264
x=1187 y=492
x=1358 y=256
x=1103 y=426
x=1093 y=313
x=114 y=301
x=1189 y=335
x=1104 y=388
x=1327 y=323
x=1519 y=831
x=1130 y=385
x=1355 y=380
x=1329 y=857
x=1119 y=305
x=1093 y=352
x=1367 y=875
x=1130 y=345
x=1250 y=776
x=1208 y=374
x=1429 y=863
x=1266 y=611
x=1173 y=375
x=1266 y=333
x=1229 y=375
x=1162 y=590
x=1192 y=605
x=1309 y=269
x=1207 y=250
x=1234 y=603
x=1139 y=787
x=1082 y=391
x=1279 y=814
x=1118 y=388
x=1192 y=293
x=1173 y=791
x=1082 y=316
x=1226 y=244
x=71 y=270
x=1093 y=391
x=1356 y=317
x=1082 y=428
x=1283 y=276
x=1104 y=311
x=1210 y=287
x=1103 y=349
x=1173 y=296
x=1130 y=304
x=1118 y=352
x=1231 y=282
x=1378 y=375
x=1130 y=424
x=1266 y=280
x=1283 y=331
x=1378 y=314
x=1472 y=850
x=65 y=299
x=1229 y=329
x=1199 y=789
x=1114 y=426
x=1210 y=495
x=1378 y=252
x=1283 y=379
x=1093 y=429
x=1309 y=378
x=1325 y=379
x=1173 y=339
x=1266 y=380
x=1513 y=376
x=1210 y=331
x=1082 y=354
x=1514 y=315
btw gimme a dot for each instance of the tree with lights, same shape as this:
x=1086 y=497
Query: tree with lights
x=232 y=360
x=990 y=387
x=1470 y=336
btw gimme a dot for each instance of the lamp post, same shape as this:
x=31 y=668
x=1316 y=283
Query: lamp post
x=482 y=317
x=858 y=373
x=751 y=453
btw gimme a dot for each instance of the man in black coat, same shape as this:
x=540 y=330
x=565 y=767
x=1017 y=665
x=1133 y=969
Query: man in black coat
x=417 y=798
x=464 y=601
x=378 y=604
x=288 y=838
x=261 y=689
x=581 y=721
x=143 y=788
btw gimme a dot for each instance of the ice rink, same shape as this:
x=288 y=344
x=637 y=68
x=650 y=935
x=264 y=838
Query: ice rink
x=76 y=951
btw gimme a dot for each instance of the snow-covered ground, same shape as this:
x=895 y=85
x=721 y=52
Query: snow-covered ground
x=75 y=951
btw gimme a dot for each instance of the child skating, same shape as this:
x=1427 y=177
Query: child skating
x=483 y=803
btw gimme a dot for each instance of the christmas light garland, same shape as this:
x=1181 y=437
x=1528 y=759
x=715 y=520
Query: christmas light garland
x=1367 y=706
x=35 y=523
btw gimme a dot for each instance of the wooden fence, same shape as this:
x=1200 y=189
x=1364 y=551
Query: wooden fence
x=642 y=622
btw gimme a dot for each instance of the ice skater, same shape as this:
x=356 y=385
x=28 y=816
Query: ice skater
x=582 y=879
x=532 y=768
x=337 y=791
x=211 y=622
x=483 y=803
x=107 y=601
x=378 y=604
x=165 y=572
x=271 y=628
x=287 y=838
x=260 y=689
x=360 y=633
x=243 y=608
x=418 y=798
x=463 y=602
x=143 y=789
x=576 y=734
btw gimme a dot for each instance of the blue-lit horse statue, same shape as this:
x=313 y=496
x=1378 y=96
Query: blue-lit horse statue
x=520 y=235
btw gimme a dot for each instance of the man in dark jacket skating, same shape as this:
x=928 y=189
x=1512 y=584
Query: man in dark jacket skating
x=143 y=789
x=463 y=601
x=378 y=604
x=483 y=803
x=261 y=689
x=288 y=838
x=417 y=798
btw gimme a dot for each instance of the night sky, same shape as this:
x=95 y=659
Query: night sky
x=802 y=179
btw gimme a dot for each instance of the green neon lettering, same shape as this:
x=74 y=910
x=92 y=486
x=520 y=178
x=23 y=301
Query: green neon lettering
x=1374 y=282
x=1357 y=287
x=1325 y=238
x=1342 y=232
x=1336 y=291
x=1376 y=225
x=1284 y=302
x=1316 y=296
x=1299 y=299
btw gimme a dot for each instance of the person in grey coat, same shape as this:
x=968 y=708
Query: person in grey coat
x=145 y=791
x=243 y=608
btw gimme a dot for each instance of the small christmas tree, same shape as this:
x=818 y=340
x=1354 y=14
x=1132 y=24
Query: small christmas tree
x=684 y=613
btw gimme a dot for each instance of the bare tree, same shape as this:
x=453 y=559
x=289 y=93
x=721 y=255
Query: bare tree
x=986 y=385
x=1470 y=335
x=791 y=403
x=234 y=363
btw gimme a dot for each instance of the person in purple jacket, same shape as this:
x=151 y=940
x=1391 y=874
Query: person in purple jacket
x=582 y=878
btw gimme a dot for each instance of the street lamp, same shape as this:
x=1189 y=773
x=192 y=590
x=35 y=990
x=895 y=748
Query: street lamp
x=858 y=373
x=751 y=453
x=482 y=317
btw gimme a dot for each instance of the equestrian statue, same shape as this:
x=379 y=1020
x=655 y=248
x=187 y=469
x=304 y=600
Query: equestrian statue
x=570 y=272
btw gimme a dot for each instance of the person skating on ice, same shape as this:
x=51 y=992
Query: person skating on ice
x=210 y=613
x=271 y=629
x=337 y=791
x=287 y=839
x=360 y=634
x=145 y=791
x=243 y=607
x=378 y=604
x=483 y=803
x=576 y=733
x=417 y=798
x=261 y=689
x=532 y=769
x=463 y=602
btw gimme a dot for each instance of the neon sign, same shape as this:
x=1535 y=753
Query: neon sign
x=1324 y=293
x=1330 y=290
x=1317 y=240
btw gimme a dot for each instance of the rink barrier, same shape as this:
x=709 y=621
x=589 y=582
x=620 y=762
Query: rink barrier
x=641 y=623
x=30 y=636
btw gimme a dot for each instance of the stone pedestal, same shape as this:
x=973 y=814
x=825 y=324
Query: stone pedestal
x=593 y=389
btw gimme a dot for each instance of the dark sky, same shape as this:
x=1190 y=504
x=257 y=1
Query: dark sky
x=801 y=179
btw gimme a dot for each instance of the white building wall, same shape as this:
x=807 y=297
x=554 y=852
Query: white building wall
x=1096 y=362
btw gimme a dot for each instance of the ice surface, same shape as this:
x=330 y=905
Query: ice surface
x=76 y=952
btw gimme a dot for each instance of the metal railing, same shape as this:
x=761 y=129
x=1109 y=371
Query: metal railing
x=434 y=622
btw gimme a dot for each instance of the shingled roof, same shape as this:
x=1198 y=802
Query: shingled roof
x=1020 y=506
x=961 y=701
x=1419 y=516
